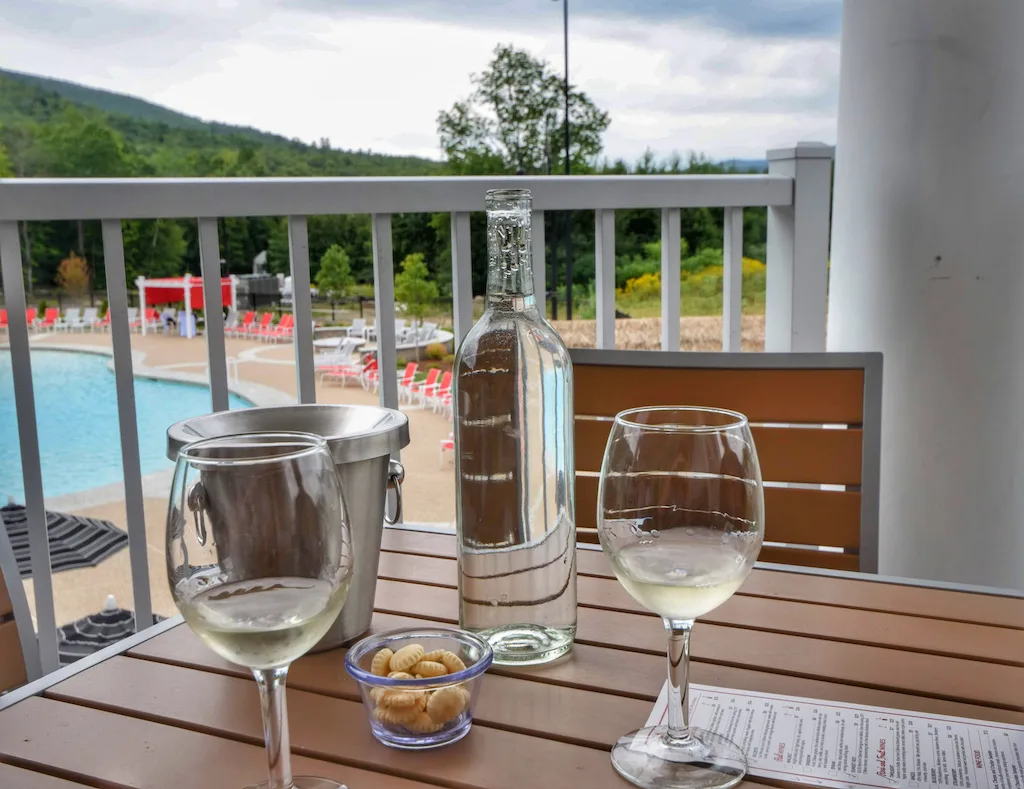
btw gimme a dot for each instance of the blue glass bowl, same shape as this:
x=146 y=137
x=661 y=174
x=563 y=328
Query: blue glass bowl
x=400 y=727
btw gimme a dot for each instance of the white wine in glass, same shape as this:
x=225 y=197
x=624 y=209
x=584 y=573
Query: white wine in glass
x=680 y=514
x=259 y=559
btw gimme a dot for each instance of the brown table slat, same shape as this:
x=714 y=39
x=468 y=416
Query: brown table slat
x=591 y=668
x=587 y=717
x=333 y=729
x=113 y=751
x=17 y=778
x=841 y=592
x=809 y=619
x=931 y=675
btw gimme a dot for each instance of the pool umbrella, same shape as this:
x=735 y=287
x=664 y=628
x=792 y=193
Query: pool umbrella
x=75 y=541
x=94 y=632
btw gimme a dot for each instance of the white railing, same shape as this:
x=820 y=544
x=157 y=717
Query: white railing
x=796 y=191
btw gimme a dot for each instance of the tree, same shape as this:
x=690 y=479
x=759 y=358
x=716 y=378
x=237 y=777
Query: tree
x=6 y=167
x=73 y=275
x=514 y=121
x=334 y=279
x=415 y=290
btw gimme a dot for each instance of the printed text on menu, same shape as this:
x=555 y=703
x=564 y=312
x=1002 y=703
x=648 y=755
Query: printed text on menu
x=850 y=745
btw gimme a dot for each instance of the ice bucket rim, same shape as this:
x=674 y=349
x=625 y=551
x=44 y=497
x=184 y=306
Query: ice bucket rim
x=389 y=434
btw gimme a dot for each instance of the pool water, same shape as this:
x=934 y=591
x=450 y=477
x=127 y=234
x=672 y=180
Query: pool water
x=76 y=414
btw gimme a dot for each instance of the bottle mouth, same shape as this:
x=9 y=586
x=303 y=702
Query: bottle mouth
x=509 y=196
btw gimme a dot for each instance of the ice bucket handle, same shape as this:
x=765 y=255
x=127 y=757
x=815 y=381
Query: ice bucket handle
x=396 y=475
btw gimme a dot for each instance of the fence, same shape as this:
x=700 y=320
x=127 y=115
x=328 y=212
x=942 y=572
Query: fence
x=796 y=191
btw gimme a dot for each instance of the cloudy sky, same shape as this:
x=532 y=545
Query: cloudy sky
x=729 y=78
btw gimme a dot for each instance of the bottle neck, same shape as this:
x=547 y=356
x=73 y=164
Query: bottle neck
x=509 y=267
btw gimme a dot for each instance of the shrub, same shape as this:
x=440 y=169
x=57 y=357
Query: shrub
x=450 y=358
x=436 y=351
x=43 y=304
x=645 y=286
x=104 y=307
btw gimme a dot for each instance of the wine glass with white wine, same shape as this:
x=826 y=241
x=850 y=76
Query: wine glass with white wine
x=259 y=559
x=680 y=514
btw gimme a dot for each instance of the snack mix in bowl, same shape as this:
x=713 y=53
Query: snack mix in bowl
x=419 y=685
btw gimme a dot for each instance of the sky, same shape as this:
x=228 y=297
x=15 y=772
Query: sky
x=727 y=78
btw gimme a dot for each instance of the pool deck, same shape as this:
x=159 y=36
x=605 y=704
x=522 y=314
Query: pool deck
x=266 y=376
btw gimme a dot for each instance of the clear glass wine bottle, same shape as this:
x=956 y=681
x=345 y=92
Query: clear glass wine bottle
x=514 y=458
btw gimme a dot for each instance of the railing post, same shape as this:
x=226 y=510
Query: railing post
x=384 y=303
x=28 y=441
x=124 y=382
x=732 y=280
x=670 y=262
x=538 y=259
x=302 y=309
x=604 y=285
x=462 y=277
x=213 y=315
x=797 y=252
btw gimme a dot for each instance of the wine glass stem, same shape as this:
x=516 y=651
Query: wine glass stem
x=678 y=678
x=275 y=724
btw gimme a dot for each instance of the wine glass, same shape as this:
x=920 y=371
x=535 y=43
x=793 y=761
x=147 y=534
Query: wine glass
x=680 y=514
x=259 y=559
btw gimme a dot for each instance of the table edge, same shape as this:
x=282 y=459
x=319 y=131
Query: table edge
x=46 y=682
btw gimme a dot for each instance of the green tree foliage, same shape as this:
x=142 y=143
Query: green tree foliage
x=6 y=167
x=514 y=121
x=414 y=290
x=335 y=280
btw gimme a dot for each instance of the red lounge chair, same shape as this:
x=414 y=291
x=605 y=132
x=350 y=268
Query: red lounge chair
x=3 y=319
x=283 y=330
x=256 y=329
x=406 y=379
x=418 y=389
x=30 y=317
x=243 y=325
x=50 y=319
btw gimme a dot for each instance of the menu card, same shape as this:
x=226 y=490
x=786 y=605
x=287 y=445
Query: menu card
x=851 y=745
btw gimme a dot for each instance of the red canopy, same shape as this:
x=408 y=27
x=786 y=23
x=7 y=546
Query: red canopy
x=171 y=290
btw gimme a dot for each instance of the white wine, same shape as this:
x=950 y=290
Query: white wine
x=264 y=622
x=681 y=580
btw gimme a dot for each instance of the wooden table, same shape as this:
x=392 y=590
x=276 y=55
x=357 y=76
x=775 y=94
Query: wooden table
x=165 y=712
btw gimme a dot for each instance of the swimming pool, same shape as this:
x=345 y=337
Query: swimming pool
x=76 y=413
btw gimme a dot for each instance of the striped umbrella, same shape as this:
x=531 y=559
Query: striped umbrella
x=94 y=632
x=75 y=541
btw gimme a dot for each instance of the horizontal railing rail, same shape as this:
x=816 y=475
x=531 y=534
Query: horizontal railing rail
x=796 y=192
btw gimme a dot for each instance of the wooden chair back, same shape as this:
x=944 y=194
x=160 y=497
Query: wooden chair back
x=19 y=650
x=816 y=421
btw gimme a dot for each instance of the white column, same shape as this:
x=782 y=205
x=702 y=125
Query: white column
x=927 y=268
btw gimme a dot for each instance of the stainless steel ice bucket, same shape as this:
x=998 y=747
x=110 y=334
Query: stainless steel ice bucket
x=362 y=439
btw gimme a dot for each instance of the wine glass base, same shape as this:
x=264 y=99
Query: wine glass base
x=305 y=782
x=648 y=759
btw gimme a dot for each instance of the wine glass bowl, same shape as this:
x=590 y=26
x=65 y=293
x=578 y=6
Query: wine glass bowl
x=680 y=516
x=259 y=560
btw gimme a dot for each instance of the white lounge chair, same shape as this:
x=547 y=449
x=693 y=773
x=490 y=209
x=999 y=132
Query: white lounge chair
x=90 y=317
x=133 y=318
x=72 y=320
x=357 y=329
